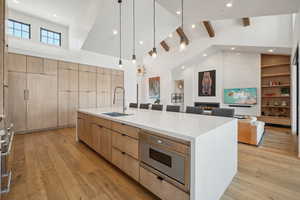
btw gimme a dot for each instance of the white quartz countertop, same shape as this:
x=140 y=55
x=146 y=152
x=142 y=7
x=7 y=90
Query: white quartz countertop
x=180 y=125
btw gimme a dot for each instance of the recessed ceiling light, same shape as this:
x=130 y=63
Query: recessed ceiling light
x=232 y=48
x=229 y=5
x=182 y=67
x=178 y=12
x=271 y=50
x=170 y=35
x=115 y=32
x=54 y=15
x=141 y=42
x=193 y=25
x=204 y=54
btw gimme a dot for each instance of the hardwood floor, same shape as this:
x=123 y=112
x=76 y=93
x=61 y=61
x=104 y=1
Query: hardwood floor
x=52 y=166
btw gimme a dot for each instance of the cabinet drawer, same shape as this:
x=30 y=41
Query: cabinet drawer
x=125 y=129
x=82 y=116
x=161 y=188
x=126 y=163
x=126 y=144
x=102 y=122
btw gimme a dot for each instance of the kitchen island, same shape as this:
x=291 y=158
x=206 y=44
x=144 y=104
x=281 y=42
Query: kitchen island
x=176 y=156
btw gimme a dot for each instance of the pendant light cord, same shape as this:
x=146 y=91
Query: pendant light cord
x=182 y=14
x=133 y=15
x=154 y=24
x=120 y=25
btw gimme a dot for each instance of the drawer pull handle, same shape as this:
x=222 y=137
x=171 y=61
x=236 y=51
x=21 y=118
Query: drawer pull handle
x=160 y=178
x=123 y=153
x=124 y=135
x=99 y=126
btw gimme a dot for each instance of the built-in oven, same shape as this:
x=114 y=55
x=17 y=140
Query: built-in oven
x=168 y=158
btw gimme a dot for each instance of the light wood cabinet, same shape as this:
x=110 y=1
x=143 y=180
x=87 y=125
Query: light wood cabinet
x=17 y=105
x=126 y=144
x=42 y=101
x=50 y=67
x=84 y=129
x=101 y=140
x=16 y=62
x=87 y=87
x=160 y=187
x=104 y=88
x=126 y=163
x=35 y=65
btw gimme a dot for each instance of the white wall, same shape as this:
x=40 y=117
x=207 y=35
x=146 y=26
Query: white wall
x=233 y=70
x=36 y=24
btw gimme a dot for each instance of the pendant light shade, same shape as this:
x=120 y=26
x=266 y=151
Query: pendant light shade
x=120 y=30
x=183 y=42
x=133 y=39
x=154 y=52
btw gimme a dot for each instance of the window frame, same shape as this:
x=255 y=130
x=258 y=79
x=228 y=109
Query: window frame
x=45 y=29
x=22 y=23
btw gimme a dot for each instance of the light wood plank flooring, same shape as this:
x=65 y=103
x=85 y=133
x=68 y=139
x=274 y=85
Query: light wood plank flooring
x=52 y=166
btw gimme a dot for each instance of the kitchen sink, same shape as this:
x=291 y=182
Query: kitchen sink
x=115 y=114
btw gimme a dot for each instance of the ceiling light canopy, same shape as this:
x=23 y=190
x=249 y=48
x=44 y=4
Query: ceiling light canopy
x=229 y=4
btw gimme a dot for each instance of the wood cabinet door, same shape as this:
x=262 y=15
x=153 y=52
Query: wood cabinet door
x=63 y=79
x=50 y=67
x=92 y=99
x=17 y=105
x=42 y=101
x=16 y=62
x=92 y=81
x=73 y=106
x=81 y=128
x=73 y=80
x=84 y=81
x=96 y=131
x=35 y=64
x=105 y=143
x=83 y=99
x=63 y=108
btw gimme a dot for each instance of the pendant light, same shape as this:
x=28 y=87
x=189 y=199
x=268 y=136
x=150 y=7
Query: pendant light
x=120 y=30
x=154 y=52
x=133 y=39
x=182 y=40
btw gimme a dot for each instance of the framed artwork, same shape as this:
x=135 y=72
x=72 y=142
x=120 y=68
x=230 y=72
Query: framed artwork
x=154 y=88
x=207 y=84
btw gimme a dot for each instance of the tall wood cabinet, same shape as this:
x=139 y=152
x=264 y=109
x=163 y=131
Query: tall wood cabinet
x=104 y=86
x=46 y=93
x=67 y=93
x=33 y=92
x=87 y=86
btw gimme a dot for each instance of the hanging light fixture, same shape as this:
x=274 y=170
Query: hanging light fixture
x=133 y=39
x=120 y=35
x=154 y=52
x=183 y=42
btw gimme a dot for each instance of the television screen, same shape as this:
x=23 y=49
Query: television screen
x=240 y=96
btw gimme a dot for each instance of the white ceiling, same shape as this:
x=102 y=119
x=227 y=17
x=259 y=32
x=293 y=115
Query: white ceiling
x=108 y=20
x=91 y=22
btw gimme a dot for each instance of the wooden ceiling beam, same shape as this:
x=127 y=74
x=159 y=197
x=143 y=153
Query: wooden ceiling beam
x=164 y=45
x=246 y=21
x=209 y=28
x=182 y=35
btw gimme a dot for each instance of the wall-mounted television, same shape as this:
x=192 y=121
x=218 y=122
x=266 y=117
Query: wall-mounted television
x=240 y=96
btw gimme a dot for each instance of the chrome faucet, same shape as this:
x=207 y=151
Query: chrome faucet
x=114 y=101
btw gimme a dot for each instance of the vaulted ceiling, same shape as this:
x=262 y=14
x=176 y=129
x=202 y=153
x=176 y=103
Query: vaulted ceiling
x=91 y=22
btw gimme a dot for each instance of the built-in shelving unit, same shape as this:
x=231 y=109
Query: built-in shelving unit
x=275 y=89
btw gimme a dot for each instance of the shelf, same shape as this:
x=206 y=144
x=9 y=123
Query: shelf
x=276 y=86
x=275 y=96
x=275 y=65
x=275 y=107
x=275 y=120
x=275 y=75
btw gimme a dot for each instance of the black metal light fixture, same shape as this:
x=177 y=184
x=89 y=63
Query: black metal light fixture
x=120 y=30
x=183 y=42
x=133 y=39
x=154 y=52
